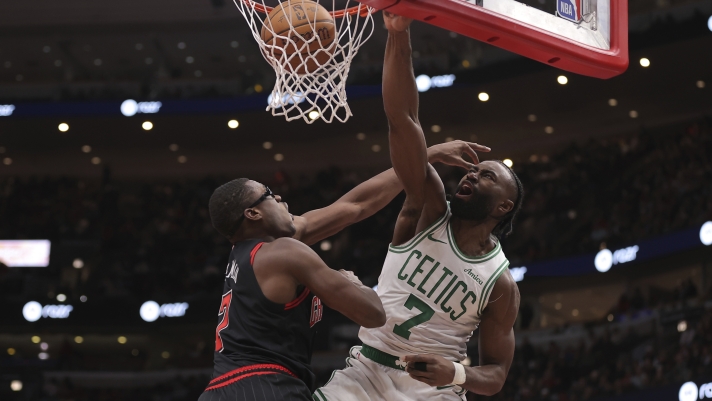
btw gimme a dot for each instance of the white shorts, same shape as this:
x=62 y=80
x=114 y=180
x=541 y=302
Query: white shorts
x=366 y=380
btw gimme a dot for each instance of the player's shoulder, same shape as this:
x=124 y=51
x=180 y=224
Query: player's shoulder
x=284 y=251
x=285 y=245
x=504 y=295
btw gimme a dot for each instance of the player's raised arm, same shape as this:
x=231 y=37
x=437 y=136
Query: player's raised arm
x=290 y=261
x=371 y=196
x=400 y=100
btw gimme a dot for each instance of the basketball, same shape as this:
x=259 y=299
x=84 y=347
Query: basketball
x=303 y=27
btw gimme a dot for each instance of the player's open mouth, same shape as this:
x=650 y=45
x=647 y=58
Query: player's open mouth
x=465 y=189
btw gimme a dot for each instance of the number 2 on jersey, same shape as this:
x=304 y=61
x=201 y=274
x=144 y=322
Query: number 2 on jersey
x=426 y=314
x=225 y=313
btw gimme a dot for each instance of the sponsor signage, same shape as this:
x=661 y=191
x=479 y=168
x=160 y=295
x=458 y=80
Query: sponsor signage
x=606 y=259
x=691 y=392
x=424 y=82
x=150 y=310
x=34 y=311
x=6 y=110
x=131 y=107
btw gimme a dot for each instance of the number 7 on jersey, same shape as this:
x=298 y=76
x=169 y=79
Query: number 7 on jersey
x=426 y=314
x=225 y=313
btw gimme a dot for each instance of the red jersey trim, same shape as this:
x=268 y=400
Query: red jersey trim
x=253 y=252
x=245 y=376
x=247 y=371
x=298 y=300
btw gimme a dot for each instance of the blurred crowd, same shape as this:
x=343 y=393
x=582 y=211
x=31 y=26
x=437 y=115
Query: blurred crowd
x=155 y=239
x=611 y=364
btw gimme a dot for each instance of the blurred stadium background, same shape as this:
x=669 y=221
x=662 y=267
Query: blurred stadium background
x=612 y=248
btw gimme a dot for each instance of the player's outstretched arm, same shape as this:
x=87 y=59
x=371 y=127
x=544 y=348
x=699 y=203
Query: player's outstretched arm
x=496 y=346
x=289 y=262
x=400 y=101
x=373 y=195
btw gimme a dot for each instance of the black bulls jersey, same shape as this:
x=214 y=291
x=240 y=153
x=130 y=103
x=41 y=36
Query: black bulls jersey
x=252 y=330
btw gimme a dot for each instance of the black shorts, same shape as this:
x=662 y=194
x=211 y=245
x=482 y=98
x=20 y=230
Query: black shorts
x=257 y=383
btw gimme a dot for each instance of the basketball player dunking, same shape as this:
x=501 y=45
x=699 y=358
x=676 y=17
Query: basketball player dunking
x=275 y=284
x=439 y=285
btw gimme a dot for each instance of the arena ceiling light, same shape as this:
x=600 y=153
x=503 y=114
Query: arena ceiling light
x=508 y=162
x=483 y=96
x=709 y=23
x=233 y=124
x=644 y=62
x=612 y=102
x=562 y=80
x=16 y=385
x=147 y=125
x=63 y=127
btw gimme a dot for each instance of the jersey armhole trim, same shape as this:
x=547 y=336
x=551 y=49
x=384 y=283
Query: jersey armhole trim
x=421 y=236
x=297 y=300
x=253 y=252
x=487 y=289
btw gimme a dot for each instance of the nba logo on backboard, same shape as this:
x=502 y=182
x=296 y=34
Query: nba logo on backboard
x=569 y=9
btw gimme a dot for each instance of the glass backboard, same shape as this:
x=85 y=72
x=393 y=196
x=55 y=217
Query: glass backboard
x=588 y=37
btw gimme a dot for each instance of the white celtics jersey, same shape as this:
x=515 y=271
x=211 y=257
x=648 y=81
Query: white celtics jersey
x=433 y=294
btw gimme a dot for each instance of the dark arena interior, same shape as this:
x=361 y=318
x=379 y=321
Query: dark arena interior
x=111 y=272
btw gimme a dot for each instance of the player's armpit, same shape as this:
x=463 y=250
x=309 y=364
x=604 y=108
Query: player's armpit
x=496 y=339
x=288 y=259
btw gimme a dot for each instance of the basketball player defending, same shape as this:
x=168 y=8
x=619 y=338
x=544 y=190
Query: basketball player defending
x=275 y=284
x=439 y=285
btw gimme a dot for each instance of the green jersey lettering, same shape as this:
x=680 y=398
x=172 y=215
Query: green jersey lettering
x=437 y=300
x=462 y=304
x=464 y=290
x=400 y=273
x=445 y=274
x=418 y=269
x=427 y=276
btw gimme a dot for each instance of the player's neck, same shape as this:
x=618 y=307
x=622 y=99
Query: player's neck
x=474 y=238
x=248 y=233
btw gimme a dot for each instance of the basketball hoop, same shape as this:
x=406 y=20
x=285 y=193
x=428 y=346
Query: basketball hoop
x=311 y=71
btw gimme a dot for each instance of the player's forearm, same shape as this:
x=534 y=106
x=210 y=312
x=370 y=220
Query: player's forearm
x=400 y=92
x=485 y=380
x=374 y=194
x=400 y=98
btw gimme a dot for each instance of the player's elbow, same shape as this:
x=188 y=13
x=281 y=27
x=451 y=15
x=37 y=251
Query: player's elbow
x=493 y=386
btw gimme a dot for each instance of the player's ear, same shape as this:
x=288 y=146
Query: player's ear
x=505 y=207
x=252 y=214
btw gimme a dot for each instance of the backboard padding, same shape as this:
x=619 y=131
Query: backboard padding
x=585 y=54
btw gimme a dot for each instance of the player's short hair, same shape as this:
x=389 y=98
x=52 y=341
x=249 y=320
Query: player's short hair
x=227 y=204
x=505 y=226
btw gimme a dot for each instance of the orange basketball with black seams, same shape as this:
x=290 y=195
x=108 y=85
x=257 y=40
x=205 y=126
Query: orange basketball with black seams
x=303 y=31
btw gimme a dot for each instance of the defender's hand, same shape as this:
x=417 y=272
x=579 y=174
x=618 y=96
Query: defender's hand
x=351 y=276
x=451 y=153
x=396 y=23
x=438 y=370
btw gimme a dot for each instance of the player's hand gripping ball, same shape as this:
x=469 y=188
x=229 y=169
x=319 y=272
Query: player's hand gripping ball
x=300 y=34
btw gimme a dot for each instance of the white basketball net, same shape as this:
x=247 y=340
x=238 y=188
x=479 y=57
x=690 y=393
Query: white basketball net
x=320 y=94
